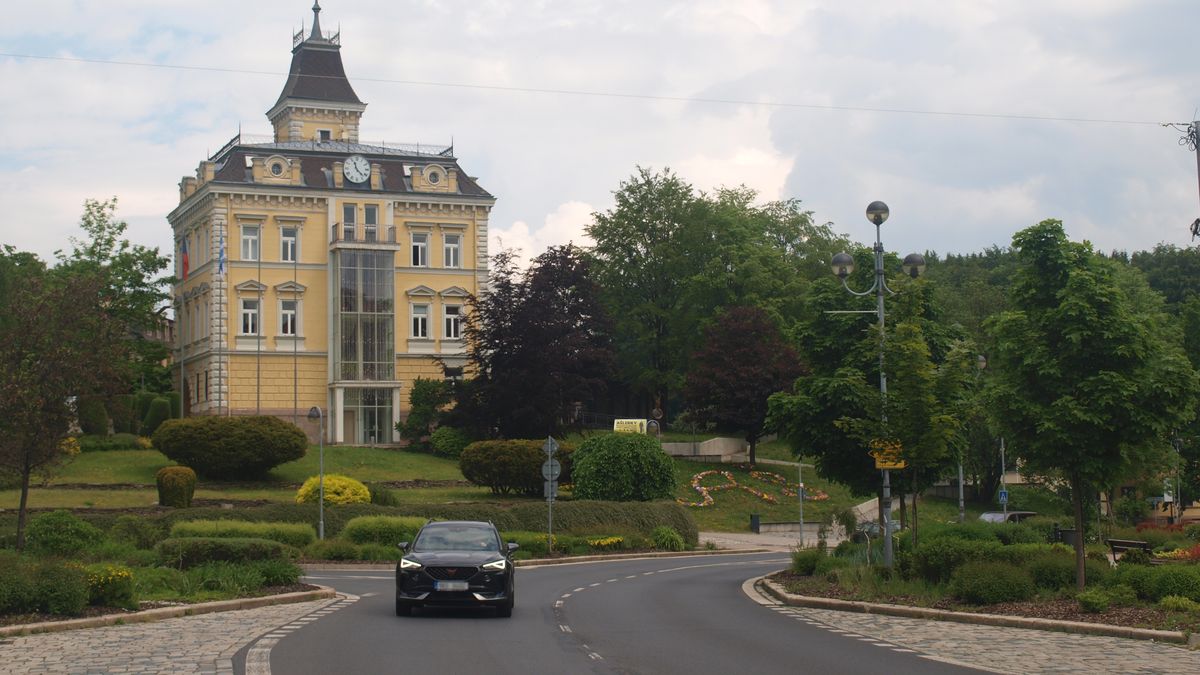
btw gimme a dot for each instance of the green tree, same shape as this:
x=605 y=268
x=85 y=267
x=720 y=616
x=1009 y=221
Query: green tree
x=134 y=287
x=426 y=400
x=68 y=349
x=743 y=361
x=1083 y=376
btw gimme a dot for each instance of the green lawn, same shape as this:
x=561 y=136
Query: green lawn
x=115 y=466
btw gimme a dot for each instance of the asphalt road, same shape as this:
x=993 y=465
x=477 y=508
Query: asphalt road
x=664 y=615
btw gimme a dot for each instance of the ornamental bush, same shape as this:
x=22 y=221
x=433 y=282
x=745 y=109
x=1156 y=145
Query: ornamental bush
x=278 y=572
x=667 y=539
x=512 y=466
x=1052 y=571
x=935 y=560
x=60 y=533
x=142 y=533
x=331 y=549
x=297 y=535
x=159 y=412
x=185 y=552
x=339 y=490
x=804 y=561
x=120 y=411
x=119 y=441
x=987 y=583
x=93 y=419
x=226 y=577
x=449 y=442
x=1178 y=603
x=231 y=447
x=176 y=486
x=1181 y=580
x=1093 y=601
x=622 y=467
x=110 y=586
x=385 y=530
x=60 y=588
x=18 y=594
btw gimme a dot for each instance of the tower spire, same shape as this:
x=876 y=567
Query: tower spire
x=316 y=30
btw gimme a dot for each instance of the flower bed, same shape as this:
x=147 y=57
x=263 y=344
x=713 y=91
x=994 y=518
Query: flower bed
x=705 y=491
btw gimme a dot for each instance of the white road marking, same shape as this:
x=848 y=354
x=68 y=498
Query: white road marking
x=369 y=595
x=581 y=588
x=610 y=581
x=564 y=628
x=565 y=595
x=631 y=576
x=594 y=656
x=558 y=603
x=594 y=585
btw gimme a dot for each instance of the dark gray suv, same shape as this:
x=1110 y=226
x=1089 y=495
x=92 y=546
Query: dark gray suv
x=456 y=563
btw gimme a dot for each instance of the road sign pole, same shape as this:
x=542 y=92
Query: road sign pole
x=887 y=518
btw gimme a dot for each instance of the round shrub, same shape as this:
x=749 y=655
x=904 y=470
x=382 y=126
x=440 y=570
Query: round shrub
x=385 y=530
x=176 y=486
x=61 y=588
x=804 y=561
x=1093 y=601
x=449 y=441
x=339 y=490
x=1181 y=580
x=667 y=539
x=159 y=412
x=110 y=586
x=60 y=533
x=231 y=447
x=987 y=583
x=136 y=531
x=623 y=467
x=1138 y=577
x=511 y=466
x=18 y=594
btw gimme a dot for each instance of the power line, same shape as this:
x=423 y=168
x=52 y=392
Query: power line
x=603 y=94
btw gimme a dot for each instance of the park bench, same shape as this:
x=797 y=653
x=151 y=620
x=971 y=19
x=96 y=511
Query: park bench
x=1119 y=546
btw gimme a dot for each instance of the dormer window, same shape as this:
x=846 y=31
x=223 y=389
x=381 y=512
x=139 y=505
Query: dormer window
x=276 y=168
x=433 y=176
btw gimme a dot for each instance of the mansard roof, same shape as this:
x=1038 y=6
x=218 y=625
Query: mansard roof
x=317 y=73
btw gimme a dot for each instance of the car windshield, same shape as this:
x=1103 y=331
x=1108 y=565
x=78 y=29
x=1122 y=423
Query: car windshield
x=457 y=538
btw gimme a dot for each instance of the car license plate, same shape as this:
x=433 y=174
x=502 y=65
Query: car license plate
x=450 y=586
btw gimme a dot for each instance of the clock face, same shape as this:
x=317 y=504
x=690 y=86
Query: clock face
x=357 y=168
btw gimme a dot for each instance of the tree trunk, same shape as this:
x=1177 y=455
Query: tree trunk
x=22 y=510
x=916 y=494
x=753 y=445
x=1077 y=502
x=903 y=510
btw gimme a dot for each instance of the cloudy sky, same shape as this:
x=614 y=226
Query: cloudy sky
x=552 y=103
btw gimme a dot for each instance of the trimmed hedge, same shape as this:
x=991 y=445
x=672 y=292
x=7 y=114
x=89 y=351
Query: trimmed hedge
x=512 y=466
x=142 y=533
x=185 y=552
x=93 y=418
x=987 y=583
x=297 y=535
x=384 y=530
x=623 y=467
x=176 y=486
x=159 y=412
x=119 y=441
x=231 y=447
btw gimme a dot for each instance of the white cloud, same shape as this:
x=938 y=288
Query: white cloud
x=564 y=225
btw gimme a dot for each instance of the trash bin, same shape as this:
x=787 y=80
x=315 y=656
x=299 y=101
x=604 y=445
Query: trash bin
x=754 y=523
x=1068 y=537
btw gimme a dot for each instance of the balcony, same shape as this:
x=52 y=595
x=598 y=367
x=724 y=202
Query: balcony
x=363 y=236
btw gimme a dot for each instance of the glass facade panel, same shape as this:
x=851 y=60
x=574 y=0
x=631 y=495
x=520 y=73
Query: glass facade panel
x=371 y=411
x=366 y=316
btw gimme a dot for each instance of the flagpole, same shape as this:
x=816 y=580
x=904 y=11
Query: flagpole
x=222 y=402
x=183 y=267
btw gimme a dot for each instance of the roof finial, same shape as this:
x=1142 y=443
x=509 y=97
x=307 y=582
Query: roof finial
x=316 y=31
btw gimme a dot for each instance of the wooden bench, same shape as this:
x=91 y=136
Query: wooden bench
x=1119 y=546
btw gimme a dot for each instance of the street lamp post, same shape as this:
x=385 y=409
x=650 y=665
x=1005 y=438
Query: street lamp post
x=843 y=267
x=314 y=413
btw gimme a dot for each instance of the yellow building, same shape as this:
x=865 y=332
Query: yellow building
x=323 y=270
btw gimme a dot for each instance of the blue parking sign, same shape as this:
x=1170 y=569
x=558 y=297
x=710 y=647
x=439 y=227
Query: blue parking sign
x=1004 y=496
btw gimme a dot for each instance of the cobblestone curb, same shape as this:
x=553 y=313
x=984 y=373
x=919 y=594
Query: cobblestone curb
x=1077 y=627
x=161 y=613
x=539 y=562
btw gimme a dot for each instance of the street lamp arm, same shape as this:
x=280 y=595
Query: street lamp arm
x=886 y=288
x=869 y=291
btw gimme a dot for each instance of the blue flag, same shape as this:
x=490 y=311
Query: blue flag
x=221 y=257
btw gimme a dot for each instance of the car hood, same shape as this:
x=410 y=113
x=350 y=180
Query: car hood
x=451 y=558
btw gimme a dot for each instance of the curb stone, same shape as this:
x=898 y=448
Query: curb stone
x=1076 y=627
x=158 y=614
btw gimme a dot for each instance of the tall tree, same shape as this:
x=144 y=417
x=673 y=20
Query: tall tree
x=57 y=344
x=1083 y=376
x=538 y=343
x=744 y=359
x=134 y=286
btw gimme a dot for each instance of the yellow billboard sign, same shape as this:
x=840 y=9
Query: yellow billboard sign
x=887 y=454
x=629 y=426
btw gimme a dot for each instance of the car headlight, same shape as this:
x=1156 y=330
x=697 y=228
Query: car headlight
x=406 y=564
x=497 y=566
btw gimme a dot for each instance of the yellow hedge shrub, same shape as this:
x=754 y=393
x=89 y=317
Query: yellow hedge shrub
x=339 y=489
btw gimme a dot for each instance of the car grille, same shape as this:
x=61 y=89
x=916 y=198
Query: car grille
x=451 y=573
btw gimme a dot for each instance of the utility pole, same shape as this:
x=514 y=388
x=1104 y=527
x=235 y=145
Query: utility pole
x=1190 y=140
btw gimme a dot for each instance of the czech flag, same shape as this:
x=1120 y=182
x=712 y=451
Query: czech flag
x=183 y=256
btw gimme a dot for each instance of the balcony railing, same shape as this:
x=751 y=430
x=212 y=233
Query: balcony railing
x=362 y=234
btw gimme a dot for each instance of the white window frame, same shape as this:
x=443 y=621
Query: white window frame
x=349 y=224
x=420 y=249
x=251 y=239
x=370 y=222
x=452 y=250
x=419 y=326
x=284 y=313
x=285 y=240
x=452 y=322
x=254 y=315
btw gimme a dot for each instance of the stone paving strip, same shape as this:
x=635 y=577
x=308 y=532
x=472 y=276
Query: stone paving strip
x=1007 y=650
x=192 y=644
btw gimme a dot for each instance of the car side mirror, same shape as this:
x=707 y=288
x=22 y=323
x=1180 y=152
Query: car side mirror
x=403 y=545
x=512 y=546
